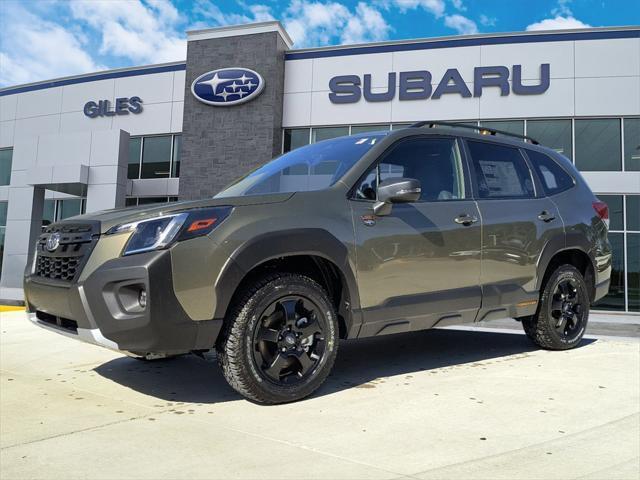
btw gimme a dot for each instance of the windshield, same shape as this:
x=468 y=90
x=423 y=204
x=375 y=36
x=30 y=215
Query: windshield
x=312 y=167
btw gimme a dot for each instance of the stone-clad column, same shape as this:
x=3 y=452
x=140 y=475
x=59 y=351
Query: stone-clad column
x=221 y=143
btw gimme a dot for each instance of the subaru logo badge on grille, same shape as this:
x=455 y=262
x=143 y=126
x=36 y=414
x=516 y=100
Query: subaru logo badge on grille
x=53 y=242
x=227 y=86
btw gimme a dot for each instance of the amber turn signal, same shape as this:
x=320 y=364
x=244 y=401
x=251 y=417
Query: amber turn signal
x=201 y=224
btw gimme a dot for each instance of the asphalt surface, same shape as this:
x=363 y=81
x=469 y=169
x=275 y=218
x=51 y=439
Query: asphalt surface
x=445 y=404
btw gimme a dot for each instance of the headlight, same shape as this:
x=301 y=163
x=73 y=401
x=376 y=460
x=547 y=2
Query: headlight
x=160 y=232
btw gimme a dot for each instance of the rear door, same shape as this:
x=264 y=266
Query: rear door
x=420 y=265
x=518 y=221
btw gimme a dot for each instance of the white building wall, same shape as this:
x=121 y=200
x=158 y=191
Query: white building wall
x=59 y=110
x=588 y=78
x=54 y=141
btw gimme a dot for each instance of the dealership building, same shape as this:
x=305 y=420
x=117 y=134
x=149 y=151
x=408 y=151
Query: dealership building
x=174 y=131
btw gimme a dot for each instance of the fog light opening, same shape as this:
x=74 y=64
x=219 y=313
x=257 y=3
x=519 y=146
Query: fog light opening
x=142 y=298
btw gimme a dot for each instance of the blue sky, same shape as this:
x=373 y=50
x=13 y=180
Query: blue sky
x=45 y=39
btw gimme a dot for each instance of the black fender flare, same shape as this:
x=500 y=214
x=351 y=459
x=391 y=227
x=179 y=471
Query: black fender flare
x=286 y=243
x=559 y=244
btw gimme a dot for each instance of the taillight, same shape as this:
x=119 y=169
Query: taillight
x=602 y=209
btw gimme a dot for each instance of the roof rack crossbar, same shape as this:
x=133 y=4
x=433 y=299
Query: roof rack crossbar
x=480 y=128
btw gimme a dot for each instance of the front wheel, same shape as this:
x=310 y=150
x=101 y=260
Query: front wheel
x=280 y=340
x=563 y=311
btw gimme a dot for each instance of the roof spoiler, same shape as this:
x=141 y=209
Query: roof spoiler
x=480 y=129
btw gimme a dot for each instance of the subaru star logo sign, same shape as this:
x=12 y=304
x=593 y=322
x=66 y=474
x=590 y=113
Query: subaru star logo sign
x=227 y=86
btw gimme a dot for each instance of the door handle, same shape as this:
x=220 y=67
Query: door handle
x=546 y=216
x=465 y=219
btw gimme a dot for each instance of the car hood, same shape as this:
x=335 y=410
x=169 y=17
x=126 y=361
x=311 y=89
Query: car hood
x=110 y=218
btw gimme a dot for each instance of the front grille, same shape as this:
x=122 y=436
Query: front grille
x=61 y=268
x=62 y=251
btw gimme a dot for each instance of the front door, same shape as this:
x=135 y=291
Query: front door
x=420 y=265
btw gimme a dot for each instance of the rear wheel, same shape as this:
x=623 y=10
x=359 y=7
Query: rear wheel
x=563 y=311
x=281 y=339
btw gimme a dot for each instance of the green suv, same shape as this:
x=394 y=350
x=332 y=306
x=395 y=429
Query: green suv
x=357 y=236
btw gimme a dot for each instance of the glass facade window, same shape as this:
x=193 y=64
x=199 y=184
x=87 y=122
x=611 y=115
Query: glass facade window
x=555 y=134
x=294 y=138
x=510 y=126
x=325 y=133
x=632 y=144
x=134 y=201
x=56 y=210
x=399 y=126
x=624 y=236
x=135 y=148
x=355 y=129
x=633 y=212
x=48 y=212
x=616 y=211
x=175 y=160
x=633 y=271
x=6 y=155
x=154 y=157
x=614 y=300
x=3 y=226
x=598 y=144
x=69 y=207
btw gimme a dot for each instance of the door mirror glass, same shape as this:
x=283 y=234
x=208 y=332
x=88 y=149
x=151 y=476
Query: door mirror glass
x=396 y=190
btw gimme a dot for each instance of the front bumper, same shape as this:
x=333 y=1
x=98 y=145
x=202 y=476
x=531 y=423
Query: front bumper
x=104 y=308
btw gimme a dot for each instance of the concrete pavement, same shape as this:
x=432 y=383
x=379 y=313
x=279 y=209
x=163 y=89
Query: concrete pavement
x=437 y=404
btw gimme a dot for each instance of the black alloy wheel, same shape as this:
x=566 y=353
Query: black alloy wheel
x=566 y=308
x=563 y=311
x=280 y=339
x=289 y=340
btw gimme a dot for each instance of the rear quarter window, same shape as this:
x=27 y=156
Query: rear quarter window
x=553 y=177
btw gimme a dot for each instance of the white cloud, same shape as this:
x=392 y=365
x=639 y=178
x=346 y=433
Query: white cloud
x=461 y=24
x=562 y=9
x=487 y=21
x=141 y=31
x=458 y=5
x=436 y=7
x=213 y=15
x=33 y=49
x=366 y=25
x=312 y=23
x=557 y=23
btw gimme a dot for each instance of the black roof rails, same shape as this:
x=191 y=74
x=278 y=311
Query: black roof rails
x=481 y=129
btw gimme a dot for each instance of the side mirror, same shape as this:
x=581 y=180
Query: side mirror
x=396 y=190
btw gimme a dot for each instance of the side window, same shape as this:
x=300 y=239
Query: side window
x=553 y=177
x=501 y=171
x=435 y=162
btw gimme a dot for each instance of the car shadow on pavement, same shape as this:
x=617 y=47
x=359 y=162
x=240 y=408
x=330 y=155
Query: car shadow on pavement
x=360 y=364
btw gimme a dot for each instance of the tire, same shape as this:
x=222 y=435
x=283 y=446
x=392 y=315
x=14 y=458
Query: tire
x=563 y=311
x=280 y=340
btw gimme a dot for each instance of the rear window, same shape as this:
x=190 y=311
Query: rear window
x=501 y=171
x=553 y=177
